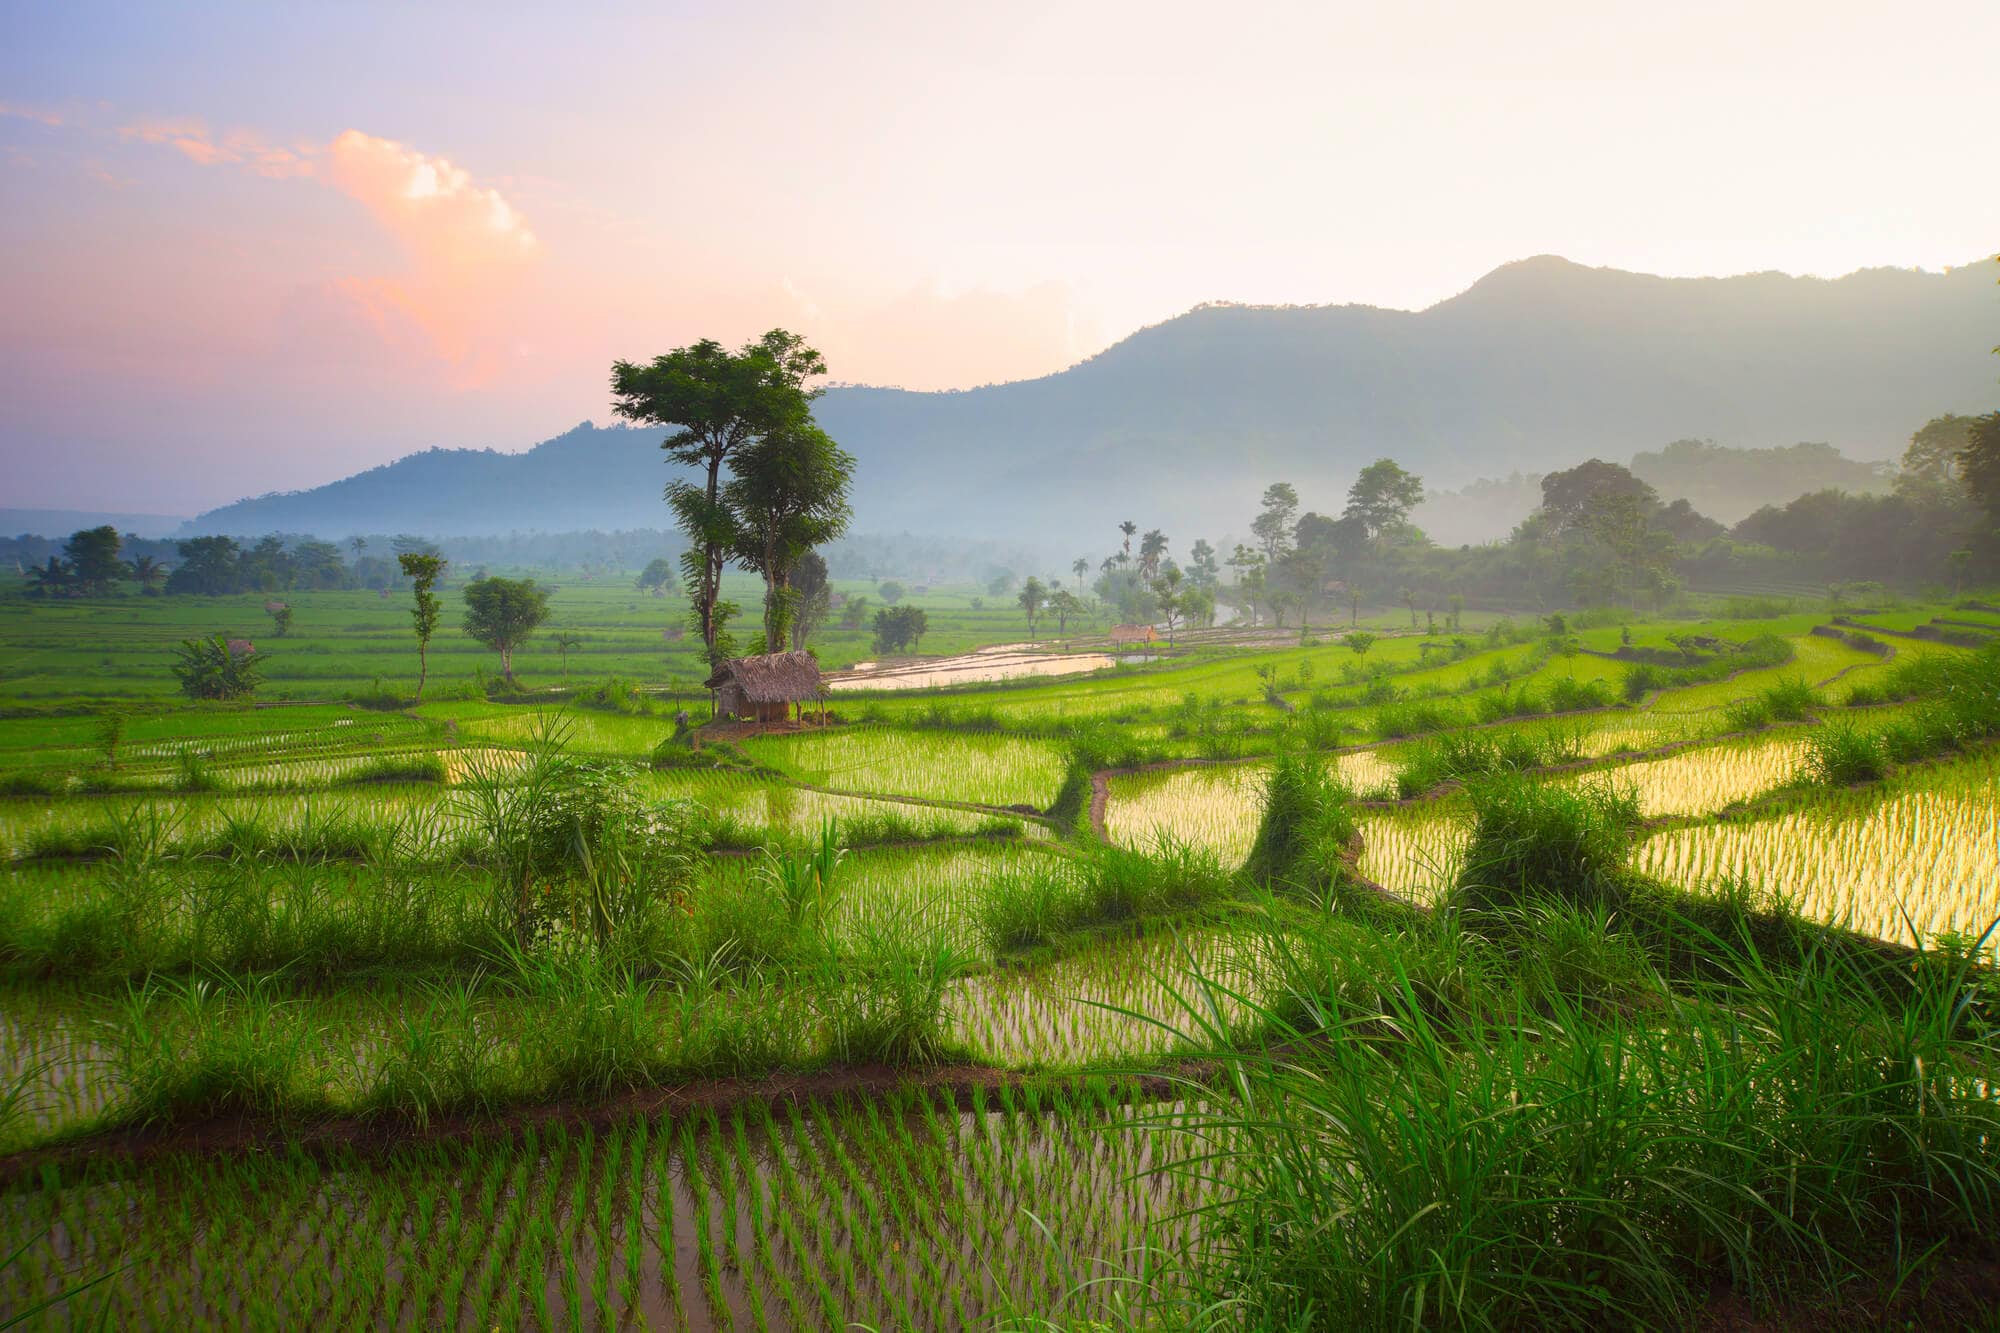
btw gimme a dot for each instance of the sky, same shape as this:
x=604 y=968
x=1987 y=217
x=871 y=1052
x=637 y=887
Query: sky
x=252 y=247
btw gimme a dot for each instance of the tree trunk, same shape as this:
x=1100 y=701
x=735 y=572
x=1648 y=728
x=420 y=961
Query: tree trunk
x=507 y=664
x=423 y=668
x=711 y=569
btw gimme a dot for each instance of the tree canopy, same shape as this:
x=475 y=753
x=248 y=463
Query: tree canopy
x=503 y=614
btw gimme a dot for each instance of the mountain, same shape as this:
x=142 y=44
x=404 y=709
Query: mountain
x=1539 y=364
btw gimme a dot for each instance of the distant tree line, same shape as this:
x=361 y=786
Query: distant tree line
x=1601 y=535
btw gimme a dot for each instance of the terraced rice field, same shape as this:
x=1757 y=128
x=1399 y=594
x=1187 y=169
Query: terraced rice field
x=1902 y=865
x=1214 y=806
x=906 y=1212
x=877 y=910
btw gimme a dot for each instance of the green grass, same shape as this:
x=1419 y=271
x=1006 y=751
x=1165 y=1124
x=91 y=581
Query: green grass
x=1619 y=1056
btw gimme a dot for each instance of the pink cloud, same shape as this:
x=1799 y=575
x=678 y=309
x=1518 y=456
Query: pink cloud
x=431 y=205
x=238 y=148
x=52 y=119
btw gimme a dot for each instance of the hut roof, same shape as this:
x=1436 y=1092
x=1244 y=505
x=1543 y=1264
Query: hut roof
x=772 y=678
x=1140 y=632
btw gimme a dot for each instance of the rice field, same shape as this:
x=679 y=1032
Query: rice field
x=1704 y=780
x=913 y=907
x=1905 y=864
x=906 y=1212
x=1215 y=806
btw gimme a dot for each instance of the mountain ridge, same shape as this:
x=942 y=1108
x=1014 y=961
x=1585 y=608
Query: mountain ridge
x=1538 y=364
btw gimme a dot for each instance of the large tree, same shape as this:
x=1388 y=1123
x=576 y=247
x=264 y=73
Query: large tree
x=1569 y=497
x=503 y=614
x=789 y=495
x=1383 y=496
x=814 y=595
x=1935 y=453
x=93 y=559
x=208 y=566
x=719 y=403
x=423 y=569
x=1273 y=525
x=1033 y=595
x=1979 y=463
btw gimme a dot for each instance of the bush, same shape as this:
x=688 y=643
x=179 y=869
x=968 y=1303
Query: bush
x=1840 y=754
x=1572 y=696
x=1414 y=719
x=1791 y=700
x=1640 y=681
x=425 y=767
x=1534 y=839
x=1307 y=826
x=1751 y=714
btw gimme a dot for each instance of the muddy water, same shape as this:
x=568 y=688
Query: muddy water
x=1006 y=662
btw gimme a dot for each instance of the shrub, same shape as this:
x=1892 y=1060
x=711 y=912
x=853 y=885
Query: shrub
x=1791 y=700
x=1751 y=714
x=427 y=767
x=1414 y=719
x=1537 y=839
x=1306 y=828
x=1570 y=696
x=1840 y=754
x=1640 y=681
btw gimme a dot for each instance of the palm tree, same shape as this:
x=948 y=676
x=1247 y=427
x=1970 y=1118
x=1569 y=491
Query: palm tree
x=147 y=571
x=1151 y=548
x=1080 y=568
x=1128 y=527
x=50 y=580
x=564 y=641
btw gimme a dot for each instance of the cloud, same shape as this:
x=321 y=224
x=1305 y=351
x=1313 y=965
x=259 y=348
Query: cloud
x=238 y=148
x=13 y=110
x=431 y=205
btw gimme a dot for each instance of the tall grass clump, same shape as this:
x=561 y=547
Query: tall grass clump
x=888 y=1002
x=1030 y=905
x=1840 y=754
x=1572 y=1166
x=426 y=767
x=1533 y=839
x=1790 y=700
x=1307 y=827
x=187 y=1049
x=575 y=849
x=441 y=1057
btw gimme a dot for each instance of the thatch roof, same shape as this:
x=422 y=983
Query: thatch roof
x=772 y=678
x=1133 y=634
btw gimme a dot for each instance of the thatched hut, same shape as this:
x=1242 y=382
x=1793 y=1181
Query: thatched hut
x=1124 y=634
x=761 y=688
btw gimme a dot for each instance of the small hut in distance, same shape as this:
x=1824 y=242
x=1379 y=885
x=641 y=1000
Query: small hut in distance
x=762 y=688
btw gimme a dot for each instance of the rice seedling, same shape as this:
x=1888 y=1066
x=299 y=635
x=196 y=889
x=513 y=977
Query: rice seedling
x=1906 y=864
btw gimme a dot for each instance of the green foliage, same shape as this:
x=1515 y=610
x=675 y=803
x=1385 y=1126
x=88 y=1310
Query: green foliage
x=1307 y=827
x=1839 y=754
x=503 y=614
x=1534 y=839
x=1791 y=700
x=899 y=628
x=209 y=669
x=1530 y=1150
